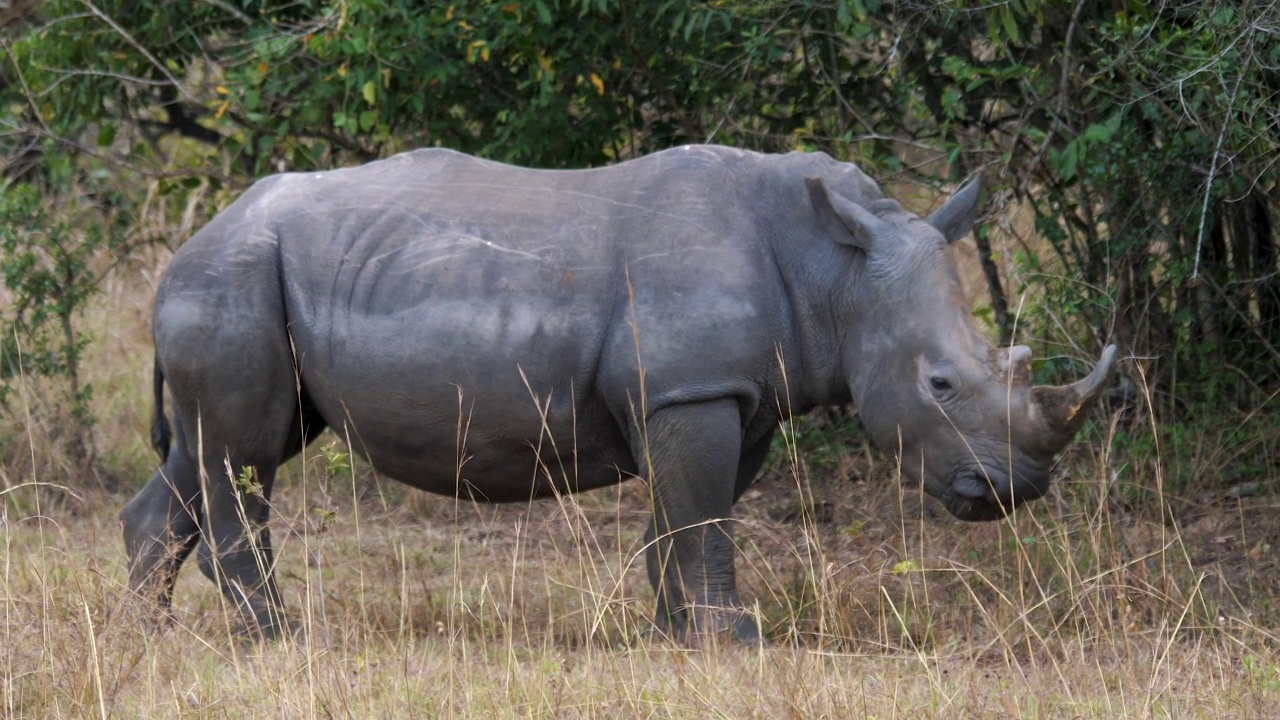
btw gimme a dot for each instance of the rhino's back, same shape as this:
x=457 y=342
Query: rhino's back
x=501 y=261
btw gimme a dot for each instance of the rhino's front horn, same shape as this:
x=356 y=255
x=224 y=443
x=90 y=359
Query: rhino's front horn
x=1059 y=407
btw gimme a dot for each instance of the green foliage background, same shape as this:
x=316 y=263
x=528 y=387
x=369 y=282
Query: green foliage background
x=1142 y=137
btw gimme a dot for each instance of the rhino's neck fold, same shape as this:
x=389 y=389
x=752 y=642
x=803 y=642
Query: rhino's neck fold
x=818 y=299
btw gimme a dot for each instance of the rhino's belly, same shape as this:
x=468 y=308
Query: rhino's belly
x=516 y=464
x=503 y=474
x=492 y=432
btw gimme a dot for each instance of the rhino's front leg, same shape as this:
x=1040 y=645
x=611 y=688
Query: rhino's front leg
x=691 y=453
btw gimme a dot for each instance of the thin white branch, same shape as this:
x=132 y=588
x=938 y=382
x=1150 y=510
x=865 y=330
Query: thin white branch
x=1213 y=164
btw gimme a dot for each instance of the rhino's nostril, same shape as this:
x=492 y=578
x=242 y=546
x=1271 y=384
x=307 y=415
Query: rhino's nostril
x=972 y=485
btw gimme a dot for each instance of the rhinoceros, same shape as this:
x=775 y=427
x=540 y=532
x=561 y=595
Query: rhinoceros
x=505 y=334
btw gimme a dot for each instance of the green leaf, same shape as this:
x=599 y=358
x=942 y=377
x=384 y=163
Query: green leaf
x=1113 y=123
x=106 y=134
x=1010 y=24
x=1068 y=160
x=1098 y=133
x=844 y=16
x=370 y=92
x=905 y=567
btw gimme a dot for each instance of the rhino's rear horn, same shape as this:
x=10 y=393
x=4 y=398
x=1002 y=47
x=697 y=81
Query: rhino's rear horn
x=1060 y=408
x=1015 y=364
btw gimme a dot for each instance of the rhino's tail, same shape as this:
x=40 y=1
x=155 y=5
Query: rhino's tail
x=159 y=423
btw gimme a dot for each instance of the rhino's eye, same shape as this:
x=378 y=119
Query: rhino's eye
x=940 y=381
x=940 y=384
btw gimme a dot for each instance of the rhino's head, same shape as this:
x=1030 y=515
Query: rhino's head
x=962 y=416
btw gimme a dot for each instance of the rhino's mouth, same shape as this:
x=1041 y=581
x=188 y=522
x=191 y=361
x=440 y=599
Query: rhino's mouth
x=975 y=495
x=973 y=510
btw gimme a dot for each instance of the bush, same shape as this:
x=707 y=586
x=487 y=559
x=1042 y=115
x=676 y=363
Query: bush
x=50 y=260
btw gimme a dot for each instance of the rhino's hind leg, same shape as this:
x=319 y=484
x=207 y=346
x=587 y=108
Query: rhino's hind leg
x=163 y=523
x=693 y=453
x=161 y=526
x=229 y=365
x=236 y=551
x=244 y=437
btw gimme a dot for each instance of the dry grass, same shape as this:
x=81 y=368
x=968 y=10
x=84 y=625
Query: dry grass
x=432 y=607
x=417 y=606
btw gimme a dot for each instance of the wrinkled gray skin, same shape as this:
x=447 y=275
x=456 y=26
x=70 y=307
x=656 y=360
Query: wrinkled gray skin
x=480 y=329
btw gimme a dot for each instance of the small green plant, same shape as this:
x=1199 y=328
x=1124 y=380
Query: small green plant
x=336 y=460
x=822 y=440
x=1263 y=674
x=247 y=481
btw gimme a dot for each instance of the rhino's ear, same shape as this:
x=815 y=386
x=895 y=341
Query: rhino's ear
x=846 y=222
x=955 y=218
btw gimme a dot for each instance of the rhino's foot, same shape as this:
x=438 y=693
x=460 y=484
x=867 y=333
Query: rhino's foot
x=149 y=615
x=265 y=626
x=701 y=625
x=151 y=588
